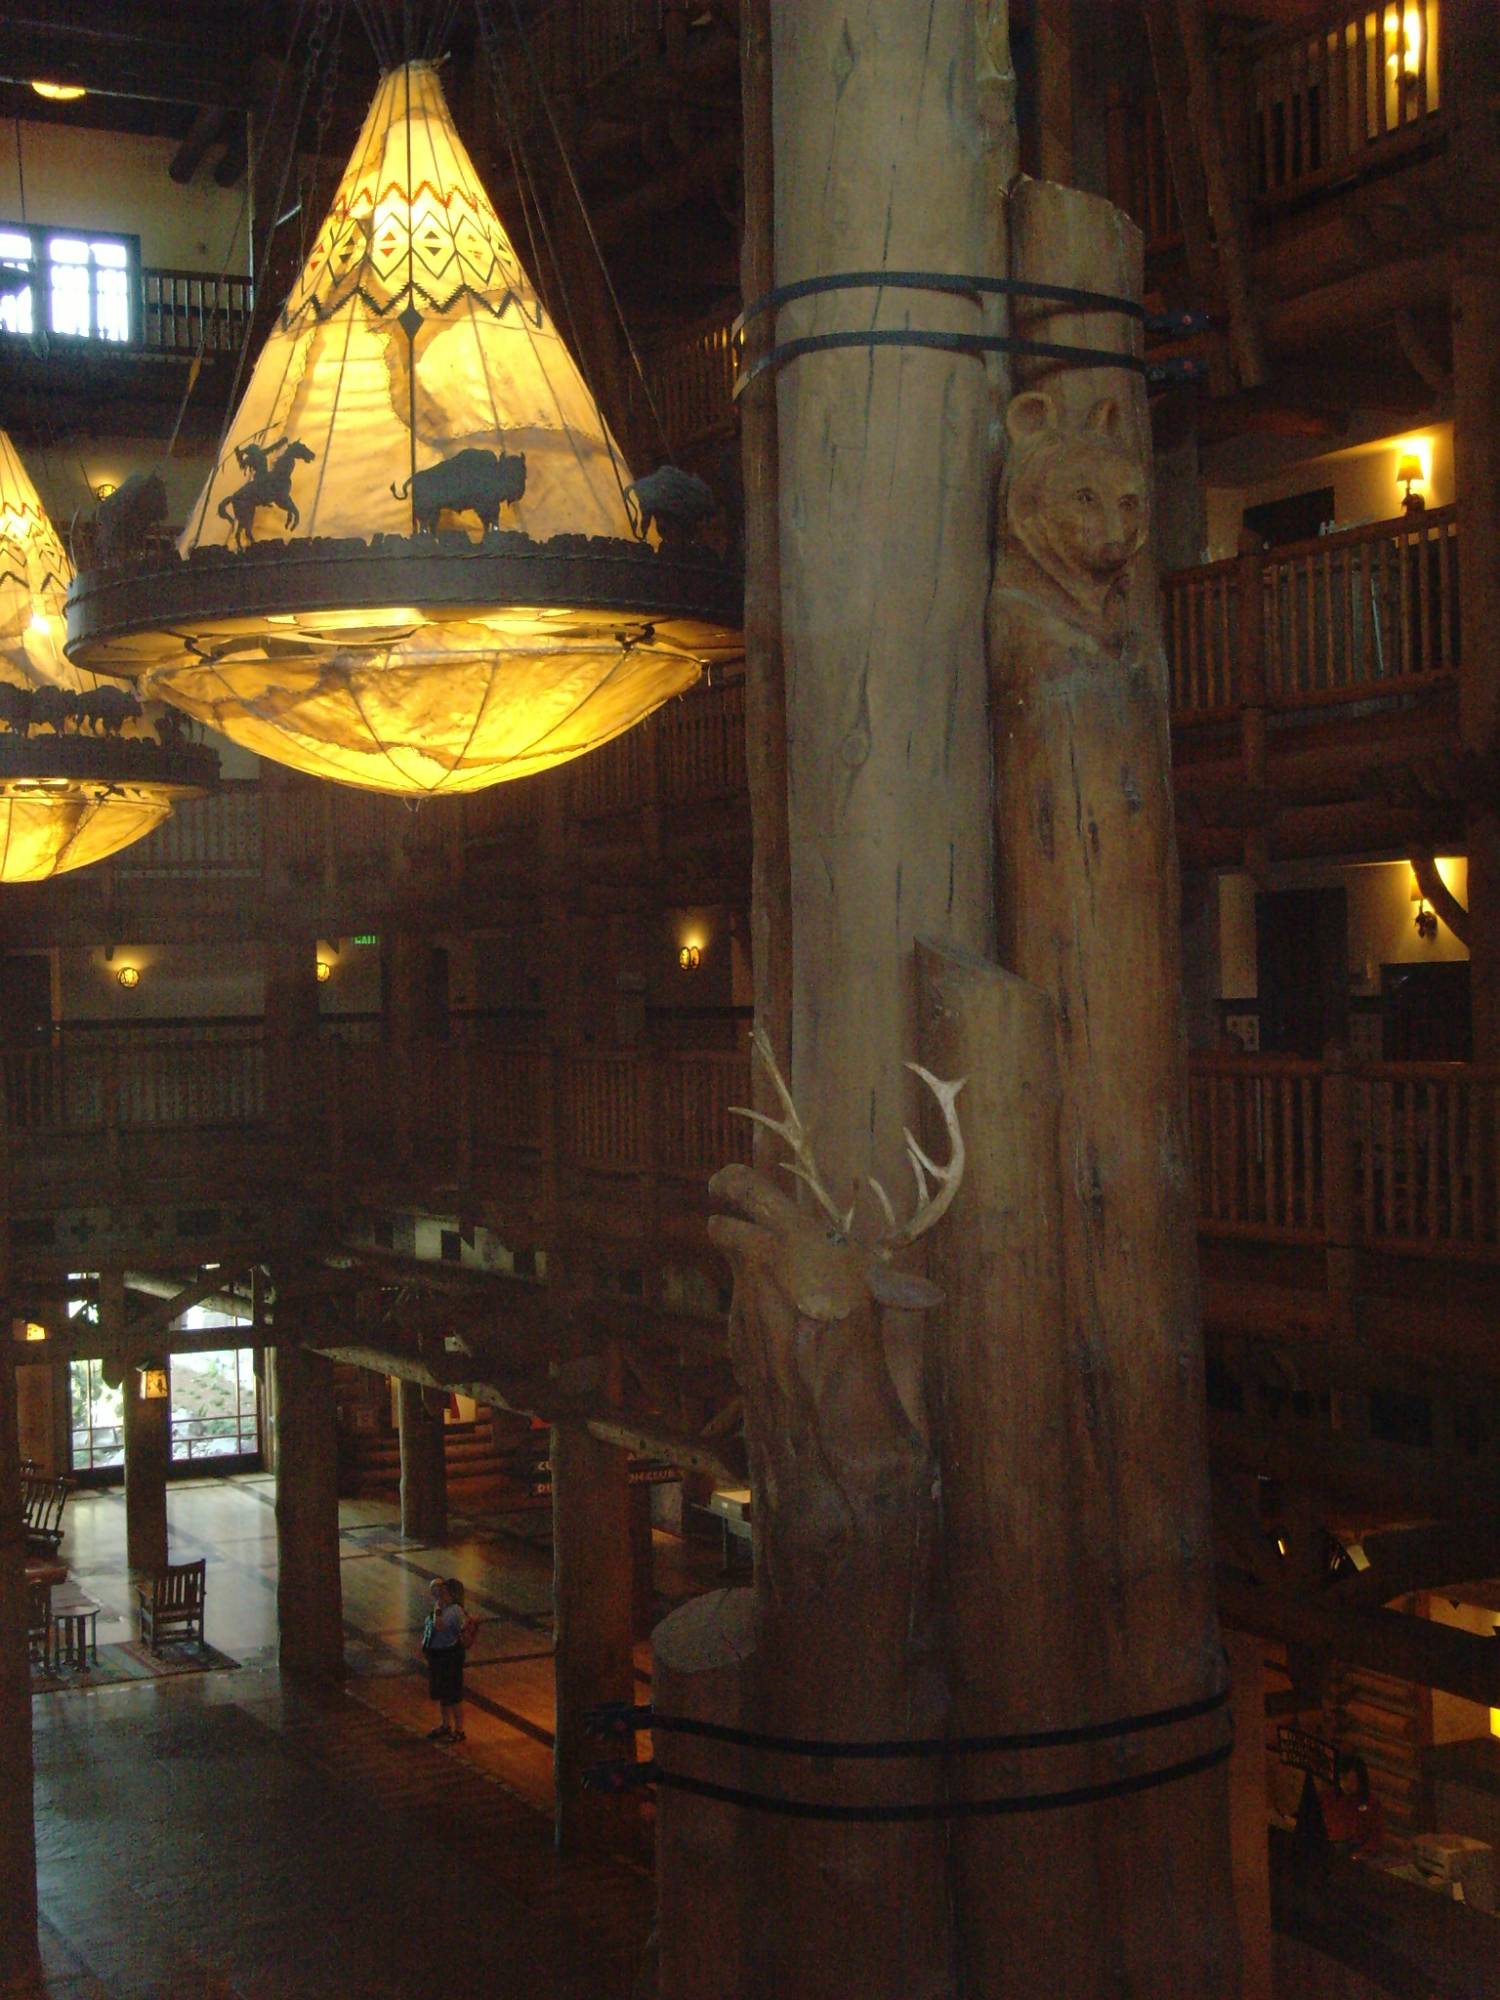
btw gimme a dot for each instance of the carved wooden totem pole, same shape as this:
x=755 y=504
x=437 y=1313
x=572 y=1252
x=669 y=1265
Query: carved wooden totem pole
x=967 y=1734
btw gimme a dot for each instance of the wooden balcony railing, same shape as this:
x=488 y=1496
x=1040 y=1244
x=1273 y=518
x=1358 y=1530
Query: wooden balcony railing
x=1313 y=103
x=690 y=377
x=1402 y=1158
x=1348 y=617
x=216 y=835
x=143 y=1080
x=1397 y=1158
x=183 y=310
x=1327 y=99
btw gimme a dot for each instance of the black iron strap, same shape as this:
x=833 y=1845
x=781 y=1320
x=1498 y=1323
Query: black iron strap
x=944 y=1809
x=963 y=286
x=954 y=343
x=942 y=1746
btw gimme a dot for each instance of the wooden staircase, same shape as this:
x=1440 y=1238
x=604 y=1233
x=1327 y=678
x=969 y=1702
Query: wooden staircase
x=372 y=1460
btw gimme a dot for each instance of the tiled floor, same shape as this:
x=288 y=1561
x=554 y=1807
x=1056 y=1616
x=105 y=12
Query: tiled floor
x=226 y=1837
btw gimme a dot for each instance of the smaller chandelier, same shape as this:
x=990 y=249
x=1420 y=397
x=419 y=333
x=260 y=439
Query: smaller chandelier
x=81 y=773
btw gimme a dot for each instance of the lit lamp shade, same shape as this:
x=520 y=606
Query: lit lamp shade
x=69 y=795
x=333 y=611
x=155 y=1387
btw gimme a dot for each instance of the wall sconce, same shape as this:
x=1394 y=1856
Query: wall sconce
x=105 y=487
x=128 y=976
x=35 y=1330
x=325 y=972
x=1426 y=920
x=154 y=1388
x=690 y=957
x=59 y=93
x=1409 y=473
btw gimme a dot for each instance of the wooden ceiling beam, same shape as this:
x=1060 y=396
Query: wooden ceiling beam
x=207 y=129
x=1384 y=1642
x=540 y=1396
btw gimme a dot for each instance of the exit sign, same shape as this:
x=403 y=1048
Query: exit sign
x=368 y=937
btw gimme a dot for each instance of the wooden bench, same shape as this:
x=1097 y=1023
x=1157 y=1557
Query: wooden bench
x=170 y=1601
x=42 y=1502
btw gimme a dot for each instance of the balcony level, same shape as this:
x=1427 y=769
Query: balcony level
x=1349 y=1214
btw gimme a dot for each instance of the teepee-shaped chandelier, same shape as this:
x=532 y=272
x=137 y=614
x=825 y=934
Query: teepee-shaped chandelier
x=414 y=566
x=80 y=776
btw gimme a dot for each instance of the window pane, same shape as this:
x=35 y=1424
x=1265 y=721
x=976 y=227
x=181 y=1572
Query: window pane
x=17 y=312
x=67 y=250
x=110 y=253
x=72 y=306
x=112 y=304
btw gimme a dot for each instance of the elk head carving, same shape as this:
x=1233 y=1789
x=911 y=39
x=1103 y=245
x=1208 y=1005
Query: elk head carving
x=823 y=1335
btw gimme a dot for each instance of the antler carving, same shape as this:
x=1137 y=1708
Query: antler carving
x=932 y=1204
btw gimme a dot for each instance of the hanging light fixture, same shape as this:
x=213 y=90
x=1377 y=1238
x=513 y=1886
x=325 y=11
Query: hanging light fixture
x=80 y=776
x=418 y=565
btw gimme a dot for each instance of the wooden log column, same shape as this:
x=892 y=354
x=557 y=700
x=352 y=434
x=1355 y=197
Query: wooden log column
x=424 y=1469
x=291 y=1029
x=1088 y=905
x=594 y=1647
x=18 y=1940
x=148 y=1438
x=882 y=551
x=1472 y=67
x=309 y=1589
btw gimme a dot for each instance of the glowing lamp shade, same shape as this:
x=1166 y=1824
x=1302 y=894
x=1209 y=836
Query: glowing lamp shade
x=414 y=568
x=155 y=1387
x=67 y=798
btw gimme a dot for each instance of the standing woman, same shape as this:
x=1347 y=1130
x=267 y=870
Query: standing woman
x=442 y=1642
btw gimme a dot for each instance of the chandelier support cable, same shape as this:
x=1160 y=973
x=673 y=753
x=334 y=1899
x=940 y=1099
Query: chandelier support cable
x=524 y=179
x=564 y=153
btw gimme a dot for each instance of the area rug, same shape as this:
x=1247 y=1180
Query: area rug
x=131 y=1661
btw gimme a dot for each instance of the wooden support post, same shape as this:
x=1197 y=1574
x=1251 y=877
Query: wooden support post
x=148 y=1444
x=1250 y=676
x=1027 y=1908
x=1086 y=870
x=1472 y=67
x=698 y=1663
x=1188 y=185
x=1338 y=1187
x=148 y=1438
x=765 y=677
x=309 y=1589
x=883 y=553
x=642 y=1564
x=1249 y=1815
x=1207 y=119
x=593 y=1656
x=18 y=1940
x=424 y=1470
x=291 y=1030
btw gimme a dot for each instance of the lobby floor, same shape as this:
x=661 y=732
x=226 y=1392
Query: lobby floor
x=226 y=1836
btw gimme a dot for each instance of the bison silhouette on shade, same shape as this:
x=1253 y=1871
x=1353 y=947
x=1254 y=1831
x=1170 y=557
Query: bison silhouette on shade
x=471 y=482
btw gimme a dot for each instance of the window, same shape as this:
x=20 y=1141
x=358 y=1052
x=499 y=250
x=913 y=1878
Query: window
x=214 y=1405
x=98 y=1419
x=66 y=281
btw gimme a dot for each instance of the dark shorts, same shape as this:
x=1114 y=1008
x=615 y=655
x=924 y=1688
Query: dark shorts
x=445 y=1674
